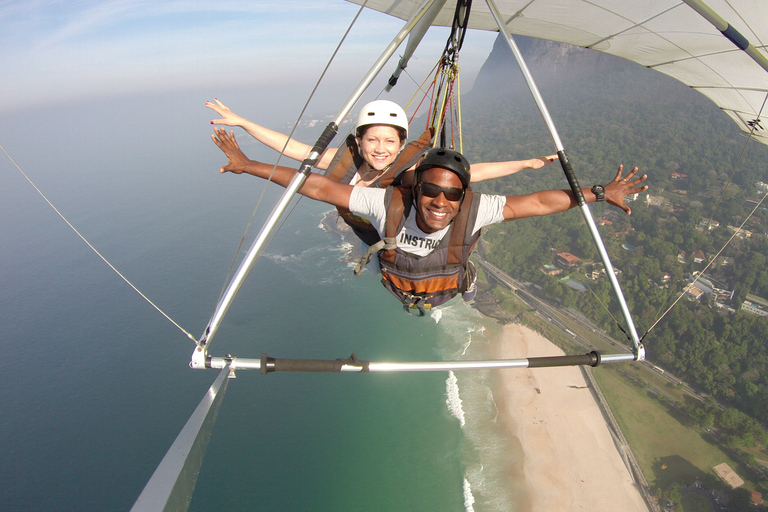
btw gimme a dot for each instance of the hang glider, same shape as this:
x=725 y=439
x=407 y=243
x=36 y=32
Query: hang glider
x=721 y=52
x=682 y=39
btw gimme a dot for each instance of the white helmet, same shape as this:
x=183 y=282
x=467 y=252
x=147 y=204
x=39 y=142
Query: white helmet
x=382 y=112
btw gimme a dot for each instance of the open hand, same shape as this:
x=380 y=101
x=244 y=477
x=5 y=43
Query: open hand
x=226 y=142
x=228 y=117
x=538 y=163
x=622 y=186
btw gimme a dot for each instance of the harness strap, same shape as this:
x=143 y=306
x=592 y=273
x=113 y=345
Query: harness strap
x=348 y=161
x=408 y=158
x=386 y=244
x=458 y=232
x=417 y=304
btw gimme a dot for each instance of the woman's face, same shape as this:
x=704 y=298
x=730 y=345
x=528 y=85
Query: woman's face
x=379 y=146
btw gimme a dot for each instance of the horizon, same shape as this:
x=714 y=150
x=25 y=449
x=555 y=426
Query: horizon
x=58 y=53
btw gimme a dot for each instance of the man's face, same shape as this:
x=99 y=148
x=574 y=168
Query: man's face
x=435 y=213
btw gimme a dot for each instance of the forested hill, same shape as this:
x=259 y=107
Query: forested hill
x=609 y=111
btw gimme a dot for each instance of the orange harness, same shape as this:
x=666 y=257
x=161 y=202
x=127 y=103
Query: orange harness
x=422 y=282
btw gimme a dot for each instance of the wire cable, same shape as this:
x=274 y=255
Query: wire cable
x=736 y=231
x=93 y=248
x=282 y=152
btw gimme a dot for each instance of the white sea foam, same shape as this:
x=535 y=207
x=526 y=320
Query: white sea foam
x=469 y=500
x=470 y=398
x=324 y=215
x=453 y=400
x=436 y=315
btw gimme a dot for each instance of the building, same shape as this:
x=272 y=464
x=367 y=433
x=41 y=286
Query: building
x=567 y=260
x=693 y=292
x=724 y=261
x=708 y=224
x=550 y=270
x=740 y=233
x=754 y=308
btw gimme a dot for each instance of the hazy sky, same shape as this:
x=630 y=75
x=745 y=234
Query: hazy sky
x=69 y=50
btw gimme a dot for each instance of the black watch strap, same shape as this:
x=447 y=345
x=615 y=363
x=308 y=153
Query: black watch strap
x=599 y=192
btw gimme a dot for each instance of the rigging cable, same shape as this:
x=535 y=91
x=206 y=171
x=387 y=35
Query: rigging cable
x=714 y=258
x=94 y=249
x=735 y=233
x=445 y=85
x=282 y=151
x=754 y=125
x=594 y=295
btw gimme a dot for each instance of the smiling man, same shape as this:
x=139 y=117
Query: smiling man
x=428 y=230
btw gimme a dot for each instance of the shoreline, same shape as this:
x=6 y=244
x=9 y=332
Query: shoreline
x=569 y=458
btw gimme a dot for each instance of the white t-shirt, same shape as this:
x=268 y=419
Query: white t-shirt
x=369 y=204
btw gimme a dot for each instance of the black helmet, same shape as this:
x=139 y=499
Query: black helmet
x=445 y=159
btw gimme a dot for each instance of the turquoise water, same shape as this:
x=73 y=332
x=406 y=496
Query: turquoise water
x=97 y=384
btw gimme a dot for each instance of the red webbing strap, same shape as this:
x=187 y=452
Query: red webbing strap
x=348 y=161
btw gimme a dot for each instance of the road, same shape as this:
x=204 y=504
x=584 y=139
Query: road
x=554 y=315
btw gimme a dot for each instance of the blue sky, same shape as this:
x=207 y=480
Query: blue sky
x=67 y=51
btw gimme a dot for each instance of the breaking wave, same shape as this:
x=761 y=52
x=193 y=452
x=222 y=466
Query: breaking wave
x=488 y=451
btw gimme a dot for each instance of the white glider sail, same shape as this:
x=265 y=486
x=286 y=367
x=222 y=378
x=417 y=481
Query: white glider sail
x=693 y=42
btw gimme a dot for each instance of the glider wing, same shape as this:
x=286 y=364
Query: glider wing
x=670 y=36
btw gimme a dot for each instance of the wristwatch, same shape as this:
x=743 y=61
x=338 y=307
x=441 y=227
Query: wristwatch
x=599 y=192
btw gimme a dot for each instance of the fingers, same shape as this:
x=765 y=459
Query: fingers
x=629 y=176
x=223 y=136
x=220 y=109
x=538 y=163
x=225 y=141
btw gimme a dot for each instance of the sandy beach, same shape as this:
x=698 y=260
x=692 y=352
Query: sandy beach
x=570 y=461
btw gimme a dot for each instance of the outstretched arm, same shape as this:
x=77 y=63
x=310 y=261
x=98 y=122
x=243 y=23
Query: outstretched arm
x=489 y=170
x=295 y=150
x=553 y=201
x=315 y=187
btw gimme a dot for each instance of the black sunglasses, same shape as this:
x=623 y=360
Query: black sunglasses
x=432 y=190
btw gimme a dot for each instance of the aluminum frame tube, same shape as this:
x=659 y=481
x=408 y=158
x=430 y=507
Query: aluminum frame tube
x=171 y=485
x=293 y=187
x=728 y=31
x=385 y=56
x=638 y=347
x=237 y=363
x=414 y=39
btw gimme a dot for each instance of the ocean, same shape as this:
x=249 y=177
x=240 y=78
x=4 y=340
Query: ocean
x=97 y=383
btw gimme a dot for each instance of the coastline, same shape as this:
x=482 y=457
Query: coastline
x=569 y=460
